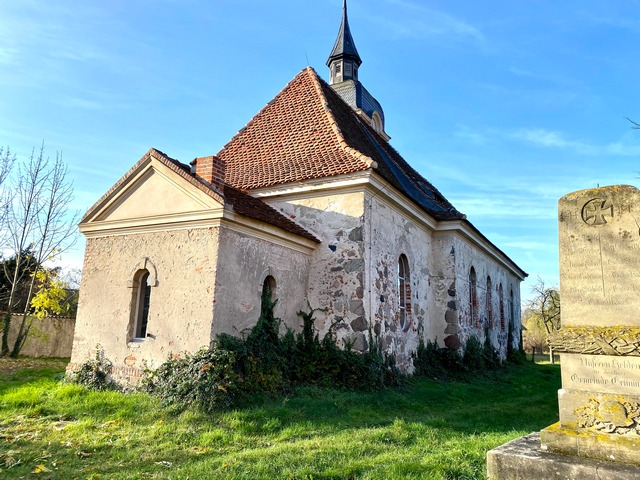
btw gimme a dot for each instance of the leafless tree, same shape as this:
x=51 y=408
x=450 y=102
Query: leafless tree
x=544 y=309
x=38 y=220
x=7 y=160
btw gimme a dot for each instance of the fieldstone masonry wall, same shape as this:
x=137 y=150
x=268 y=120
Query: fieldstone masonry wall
x=392 y=234
x=468 y=256
x=336 y=273
x=354 y=275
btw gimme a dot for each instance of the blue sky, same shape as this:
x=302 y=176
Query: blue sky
x=504 y=105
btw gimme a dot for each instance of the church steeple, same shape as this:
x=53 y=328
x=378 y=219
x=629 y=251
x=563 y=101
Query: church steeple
x=343 y=64
x=344 y=60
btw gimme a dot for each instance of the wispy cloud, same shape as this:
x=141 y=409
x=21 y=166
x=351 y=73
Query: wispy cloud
x=516 y=206
x=8 y=55
x=82 y=103
x=419 y=21
x=467 y=133
x=527 y=245
x=546 y=138
x=554 y=139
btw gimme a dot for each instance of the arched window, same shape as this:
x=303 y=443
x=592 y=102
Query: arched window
x=141 y=297
x=376 y=122
x=269 y=288
x=501 y=295
x=473 y=298
x=267 y=298
x=512 y=316
x=489 y=304
x=404 y=291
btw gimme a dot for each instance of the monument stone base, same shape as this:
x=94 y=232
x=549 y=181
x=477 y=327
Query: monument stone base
x=599 y=446
x=524 y=459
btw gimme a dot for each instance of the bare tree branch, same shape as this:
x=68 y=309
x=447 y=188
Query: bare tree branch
x=39 y=223
x=635 y=125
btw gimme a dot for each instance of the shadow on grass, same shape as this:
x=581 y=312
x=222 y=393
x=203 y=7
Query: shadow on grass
x=525 y=398
x=428 y=429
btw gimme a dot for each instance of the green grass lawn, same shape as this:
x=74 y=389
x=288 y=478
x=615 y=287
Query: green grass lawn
x=429 y=429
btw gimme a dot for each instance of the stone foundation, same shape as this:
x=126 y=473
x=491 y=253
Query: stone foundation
x=523 y=459
x=584 y=443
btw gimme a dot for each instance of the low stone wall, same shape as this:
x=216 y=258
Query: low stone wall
x=50 y=337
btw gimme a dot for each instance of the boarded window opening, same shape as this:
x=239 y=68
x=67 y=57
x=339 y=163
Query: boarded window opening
x=473 y=298
x=404 y=291
x=142 y=298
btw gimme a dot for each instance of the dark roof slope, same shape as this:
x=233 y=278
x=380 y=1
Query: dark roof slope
x=306 y=132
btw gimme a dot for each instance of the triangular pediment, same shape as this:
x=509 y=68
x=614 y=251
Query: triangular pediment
x=152 y=193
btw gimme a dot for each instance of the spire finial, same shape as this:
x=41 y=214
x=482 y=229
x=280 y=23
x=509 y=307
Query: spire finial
x=344 y=59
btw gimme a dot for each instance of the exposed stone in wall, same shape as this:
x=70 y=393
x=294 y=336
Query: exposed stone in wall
x=466 y=257
x=336 y=272
x=390 y=235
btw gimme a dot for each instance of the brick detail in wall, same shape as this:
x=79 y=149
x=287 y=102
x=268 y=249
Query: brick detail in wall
x=407 y=296
x=211 y=169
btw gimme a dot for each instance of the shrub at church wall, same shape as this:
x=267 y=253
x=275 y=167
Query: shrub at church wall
x=205 y=379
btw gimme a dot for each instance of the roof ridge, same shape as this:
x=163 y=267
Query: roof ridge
x=166 y=160
x=257 y=115
x=386 y=146
x=368 y=161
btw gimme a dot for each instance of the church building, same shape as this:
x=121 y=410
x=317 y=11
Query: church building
x=310 y=198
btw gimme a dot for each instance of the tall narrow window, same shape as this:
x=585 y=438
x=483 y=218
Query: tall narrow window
x=489 y=305
x=501 y=295
x=142 y=292
x=269 y=288
x=404 y=291
x=512 y=316
x=473 y=298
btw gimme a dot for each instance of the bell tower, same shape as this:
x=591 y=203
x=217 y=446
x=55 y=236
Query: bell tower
x=344 y=62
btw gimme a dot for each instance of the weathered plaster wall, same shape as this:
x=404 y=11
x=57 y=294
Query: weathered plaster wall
x=336 y=272
x=242 y=268
x=49 y=337
x=467 y=256
x=391 y=233
x=181 y=305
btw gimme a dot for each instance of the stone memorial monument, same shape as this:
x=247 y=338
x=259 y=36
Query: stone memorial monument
x=598 y=435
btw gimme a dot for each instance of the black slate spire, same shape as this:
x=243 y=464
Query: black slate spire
x=344 y=59
x=343 y=65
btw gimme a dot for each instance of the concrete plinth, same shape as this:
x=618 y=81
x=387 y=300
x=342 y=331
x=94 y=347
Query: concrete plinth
x=522 y=459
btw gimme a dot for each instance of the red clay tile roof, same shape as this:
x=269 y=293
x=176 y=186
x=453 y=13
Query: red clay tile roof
x=293 y=138
x=241 y=202
x=307 y=132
